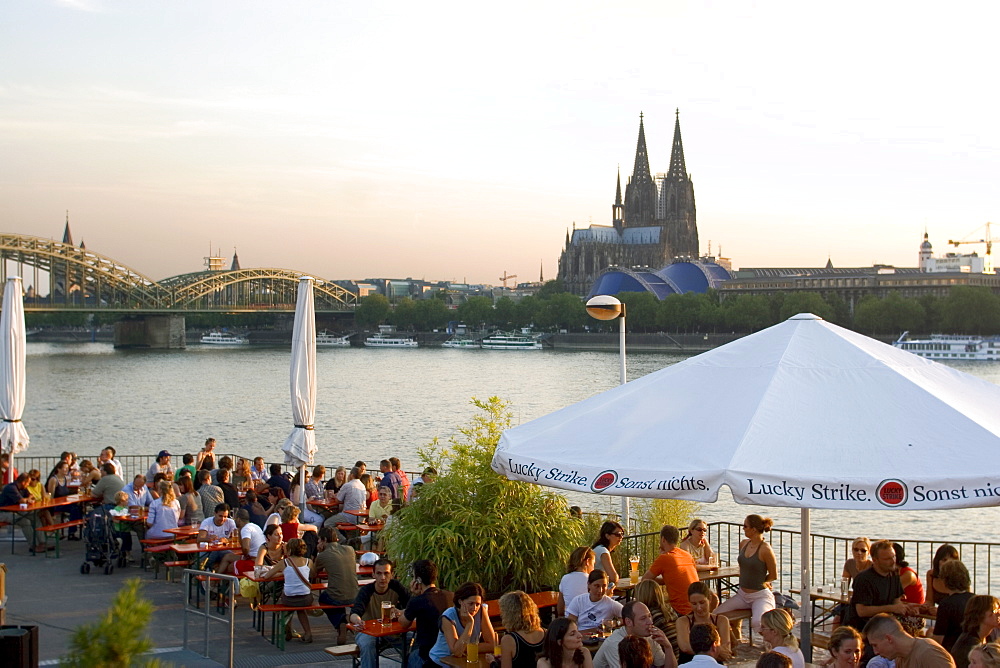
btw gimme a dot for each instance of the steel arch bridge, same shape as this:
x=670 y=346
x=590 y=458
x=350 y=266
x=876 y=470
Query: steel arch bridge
x=84 y=280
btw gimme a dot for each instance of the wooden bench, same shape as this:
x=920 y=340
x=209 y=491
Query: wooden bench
x=173 y=564
x=738 y=616
x=56 y=530
x=280 y=615
x=350 y=650
x=155 y=553
x=821 y=639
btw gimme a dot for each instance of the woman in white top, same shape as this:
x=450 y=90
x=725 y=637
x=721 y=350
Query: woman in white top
x=275 y=516
x=592 y=608
x=696 y=544
x=611 y=537
x=296 y=594
x=574 y=583
x=776 y=630
x=163 y=512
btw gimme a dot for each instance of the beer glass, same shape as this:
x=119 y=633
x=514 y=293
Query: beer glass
x=472 y=653
x=386 y=613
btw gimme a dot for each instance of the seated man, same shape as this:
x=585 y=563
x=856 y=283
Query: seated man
x=706 y=644
x=229 y=493
x=352 y=496
x=638 y=621
x=251 y=540
x=278 y=479
x=138 y=493
x=425 y=610
x=590 y=609
x=14 y=494
x=368 y=605
x=213 y=529
x=676 y=569
x=341 y=578
x=211 y=495
x=888 y=639
x=108 y=486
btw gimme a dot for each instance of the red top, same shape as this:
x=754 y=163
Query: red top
x=289 y=530
x=915 y=592
x=678 y=571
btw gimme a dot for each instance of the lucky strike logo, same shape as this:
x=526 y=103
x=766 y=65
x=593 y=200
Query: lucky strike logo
x=604 y=481
x=891 y=493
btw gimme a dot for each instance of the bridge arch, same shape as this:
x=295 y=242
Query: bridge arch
x=255 y=289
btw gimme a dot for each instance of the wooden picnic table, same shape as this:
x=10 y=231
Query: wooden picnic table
x=30 y=510
x=380 y=631
x=722 y=577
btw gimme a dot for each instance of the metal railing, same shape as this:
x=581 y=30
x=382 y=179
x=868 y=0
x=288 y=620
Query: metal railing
x=223 y=614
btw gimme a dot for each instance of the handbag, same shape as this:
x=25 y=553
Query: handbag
x=249 y=589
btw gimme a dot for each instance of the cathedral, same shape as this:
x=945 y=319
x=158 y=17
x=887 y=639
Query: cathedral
x=652 y=227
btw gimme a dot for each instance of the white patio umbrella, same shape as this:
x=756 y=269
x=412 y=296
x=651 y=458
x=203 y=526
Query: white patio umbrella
x=13 y=435
x=300 y=446
x=803 y=414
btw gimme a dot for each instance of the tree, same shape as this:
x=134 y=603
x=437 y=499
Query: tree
x=404 y=314
x=430 y=314
x=746 y=313
x=971 y=310
x=373 y=310
x=118 y=638
x=479 y=526
x=503 y=313
x=640 y=310
x=525 y=311
x=563 y=310
x=476 y=311
x=551 y=288
x=805 y=302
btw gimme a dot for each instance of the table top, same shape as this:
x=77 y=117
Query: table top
x=357 y=513
x=459 y=661
x=183 y=531
x=370 y=527
x=719 y=573
x=320 y=503
x=58 y=502
x=376 y=629
x=194 y=548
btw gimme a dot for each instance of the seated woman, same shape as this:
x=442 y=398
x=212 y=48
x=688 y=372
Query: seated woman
x=700 y=597
x=273 y=550
x=467 y=621
x=382 y=508
x=290 y=526
x=242 y=476
x=57 y=487
x=609 y=540
x=89 y=475
x=776 y=629
x=590 y=609
x=369 y=485
x=37 y=493
x=164 y=512
x=192 y=514
x=696 y=544
x=845 y=647
x=757 y=569
x=298 y=499
x=296 y=593
x=859 y=560
x=982 y=617
x=935 y=590
x=337 y=481
x=564 y=647
x=521 y=644
x=574 y=583
x=276 y=509
x=954 y=576
x=651 y=594
x=985 y=656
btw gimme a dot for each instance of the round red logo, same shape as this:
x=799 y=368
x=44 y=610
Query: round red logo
x=891 y=493
x=605 y=480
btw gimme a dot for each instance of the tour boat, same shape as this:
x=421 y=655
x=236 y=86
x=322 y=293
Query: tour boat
x=462 y=343
x=501 y=341
x=951 y=347
x=325 y=338
x=224 y=339
x=386 y=339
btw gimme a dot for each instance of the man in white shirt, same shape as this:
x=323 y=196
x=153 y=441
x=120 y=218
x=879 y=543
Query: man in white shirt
x=251 y=540
x=352 y=496
x=590 y=609
x=638 y=622
x=107 y=456
x=217 y=527
x=705 y=643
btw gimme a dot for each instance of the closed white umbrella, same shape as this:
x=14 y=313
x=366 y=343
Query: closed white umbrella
x=300 y=446
x=803 y=414
x=13 y=435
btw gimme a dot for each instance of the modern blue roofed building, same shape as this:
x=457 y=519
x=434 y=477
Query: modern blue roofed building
x=673 y=279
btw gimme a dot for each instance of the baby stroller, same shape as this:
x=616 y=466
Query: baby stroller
x=102 y=546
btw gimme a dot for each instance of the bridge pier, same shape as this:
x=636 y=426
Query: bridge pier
x=150 y=331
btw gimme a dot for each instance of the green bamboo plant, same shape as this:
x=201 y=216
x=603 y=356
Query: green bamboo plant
x=118 y=638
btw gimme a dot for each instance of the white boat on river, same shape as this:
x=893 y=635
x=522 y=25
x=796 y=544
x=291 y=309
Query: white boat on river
x=951 y=347
x=224 y=339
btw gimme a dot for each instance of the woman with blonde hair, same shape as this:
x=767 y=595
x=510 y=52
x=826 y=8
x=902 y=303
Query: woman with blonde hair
x=164 y=512
x=985 y=656
x=275 y=517
x=650 y=593
x=574 y=583
x=243 y=476
x=859 y=561
x=520 y=646
x=776 y=630
x=696 y=544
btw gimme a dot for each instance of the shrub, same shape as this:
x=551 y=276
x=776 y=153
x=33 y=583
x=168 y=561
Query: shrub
x=118 y=638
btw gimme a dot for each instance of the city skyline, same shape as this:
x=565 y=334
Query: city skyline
x=458 y=142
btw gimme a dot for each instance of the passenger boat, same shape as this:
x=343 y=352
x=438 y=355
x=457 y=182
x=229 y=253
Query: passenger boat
x=502 y=341
x=386 y=339
x=461 y=342
x=224 y=339
x=951 y=347
x=325 y=338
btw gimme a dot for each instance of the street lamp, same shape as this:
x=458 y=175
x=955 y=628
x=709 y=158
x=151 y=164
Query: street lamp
x=606 y=307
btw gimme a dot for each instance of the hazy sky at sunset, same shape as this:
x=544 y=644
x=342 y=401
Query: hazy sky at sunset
x=459 y=140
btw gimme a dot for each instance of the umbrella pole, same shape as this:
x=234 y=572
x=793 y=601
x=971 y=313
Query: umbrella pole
x=805 y=630
x=302 y=488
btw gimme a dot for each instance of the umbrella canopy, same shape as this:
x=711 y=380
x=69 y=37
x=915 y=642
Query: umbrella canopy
x=13 y=435
x=803 y=414
x=300 y=446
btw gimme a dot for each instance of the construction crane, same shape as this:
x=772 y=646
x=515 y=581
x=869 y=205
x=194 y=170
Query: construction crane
x=988 y=240
x=506 y=277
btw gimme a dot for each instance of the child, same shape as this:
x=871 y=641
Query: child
x=123 y=530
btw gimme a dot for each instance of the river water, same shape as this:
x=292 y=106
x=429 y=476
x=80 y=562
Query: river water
x=371 y=404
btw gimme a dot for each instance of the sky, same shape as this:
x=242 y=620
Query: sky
x=460 y=140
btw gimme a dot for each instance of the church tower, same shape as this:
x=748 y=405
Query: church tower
x=640 y=191
x=926 y=252
x=617 y=215
x=677 y=201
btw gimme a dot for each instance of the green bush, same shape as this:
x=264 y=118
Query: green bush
x=479 y=526
x=118 y=638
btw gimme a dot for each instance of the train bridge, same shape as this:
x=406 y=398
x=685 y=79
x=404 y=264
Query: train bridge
x=82 y=280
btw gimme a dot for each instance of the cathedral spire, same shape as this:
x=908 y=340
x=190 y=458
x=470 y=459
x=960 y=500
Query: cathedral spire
x=618 y=188
x=640 y=172
x=639 y=208
x=236 y=261
x=67 y=235
x=617 y=209
x=678 y=170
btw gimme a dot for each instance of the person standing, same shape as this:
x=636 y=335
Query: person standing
x=339 y=562
x=206 y=456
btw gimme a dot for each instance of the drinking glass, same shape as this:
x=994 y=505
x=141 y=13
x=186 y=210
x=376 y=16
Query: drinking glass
x=386 y=613
x=471 y=652
x=844 y=585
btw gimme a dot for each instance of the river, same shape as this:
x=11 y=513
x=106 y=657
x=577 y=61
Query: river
x=371 y=404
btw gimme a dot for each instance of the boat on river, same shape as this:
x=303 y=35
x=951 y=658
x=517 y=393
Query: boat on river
x=327 y=339
x=951 y=347
x=462 y=343
x=526 y=340
x=387 y=338
x=224 y=339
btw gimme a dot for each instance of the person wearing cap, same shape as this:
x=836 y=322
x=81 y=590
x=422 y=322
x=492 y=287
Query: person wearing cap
x=161 y=465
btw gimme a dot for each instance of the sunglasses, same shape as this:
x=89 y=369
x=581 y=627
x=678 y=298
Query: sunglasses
x=620 y=534
x=860 y=550
x=702 y=529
